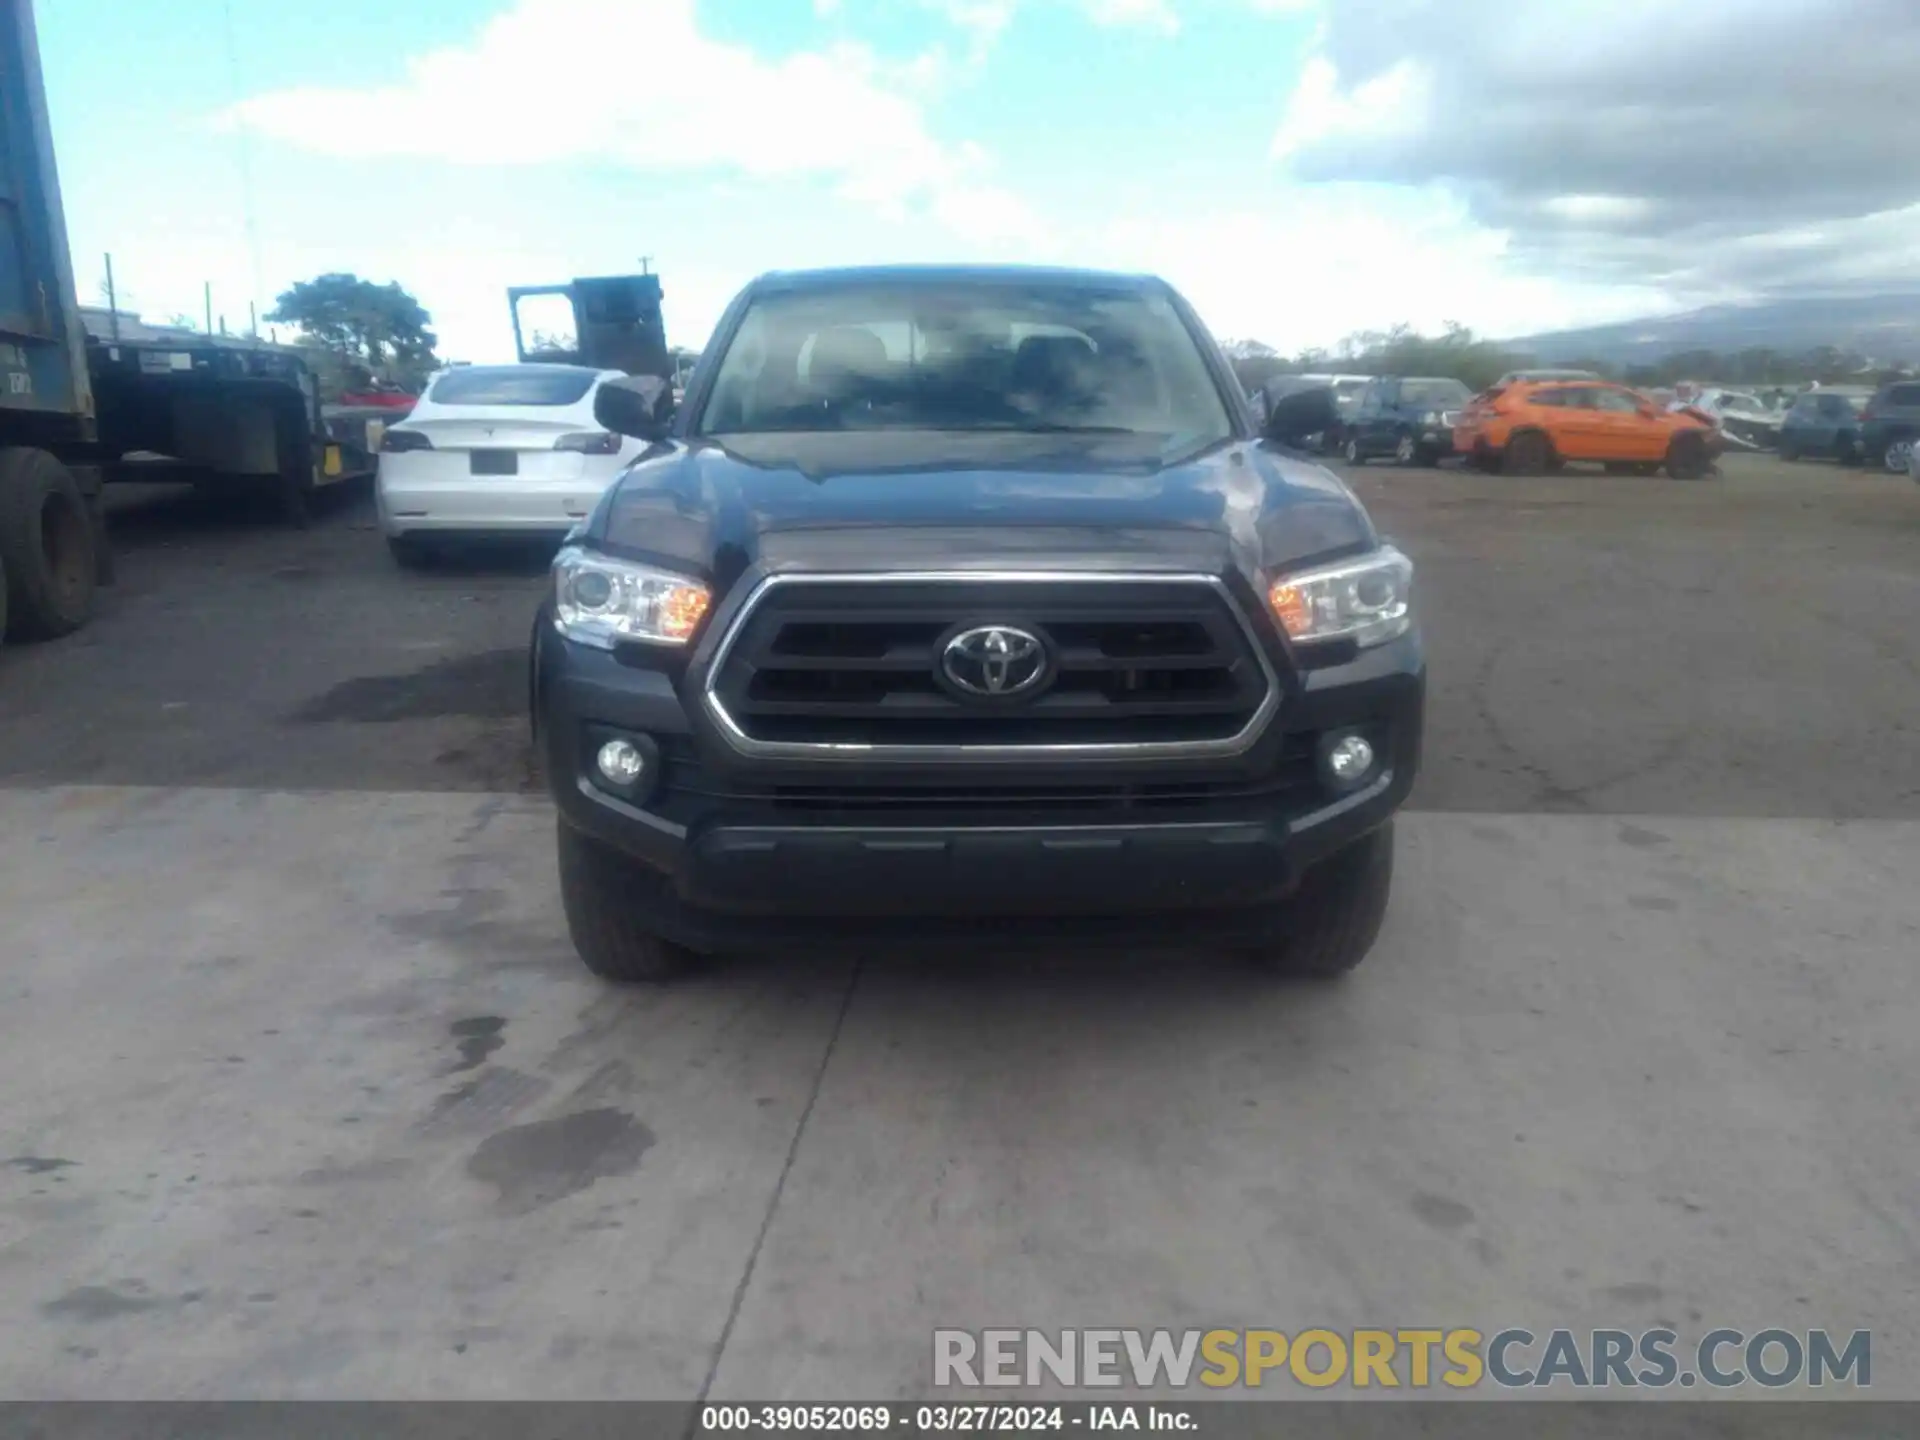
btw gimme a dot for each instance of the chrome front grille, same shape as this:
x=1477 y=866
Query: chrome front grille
x=1138 y=666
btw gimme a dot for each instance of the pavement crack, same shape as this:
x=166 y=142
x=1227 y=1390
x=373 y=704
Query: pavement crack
x=1550 y=792
x=773 y=1200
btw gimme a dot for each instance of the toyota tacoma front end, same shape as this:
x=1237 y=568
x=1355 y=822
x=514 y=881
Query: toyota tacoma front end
x=965 y=605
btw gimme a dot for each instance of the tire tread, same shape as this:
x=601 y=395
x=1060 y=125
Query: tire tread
x=28 y=479
x=604 y=923
x=1338 y=910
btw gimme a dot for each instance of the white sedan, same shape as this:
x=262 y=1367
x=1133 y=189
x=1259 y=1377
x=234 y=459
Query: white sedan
x=497 y=450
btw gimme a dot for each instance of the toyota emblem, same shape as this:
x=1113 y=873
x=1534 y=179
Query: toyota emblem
x=994 y=662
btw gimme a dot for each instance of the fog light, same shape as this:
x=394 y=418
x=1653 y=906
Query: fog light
x=621 y=763
x=1347 y=760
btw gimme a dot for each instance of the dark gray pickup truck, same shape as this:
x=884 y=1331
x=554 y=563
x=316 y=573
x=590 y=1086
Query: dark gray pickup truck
x=968 y=605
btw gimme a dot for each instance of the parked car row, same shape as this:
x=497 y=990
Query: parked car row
x=1527 y=423
x=1560 y=415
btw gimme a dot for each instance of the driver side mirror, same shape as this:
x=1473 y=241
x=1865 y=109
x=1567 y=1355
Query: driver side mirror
x=636 y=405
x=1294 y=417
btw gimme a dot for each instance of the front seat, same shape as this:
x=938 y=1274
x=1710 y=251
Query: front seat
x=844 y=365
x=1051 y=372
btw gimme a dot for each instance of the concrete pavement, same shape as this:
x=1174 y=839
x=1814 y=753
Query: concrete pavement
x=305 y=1095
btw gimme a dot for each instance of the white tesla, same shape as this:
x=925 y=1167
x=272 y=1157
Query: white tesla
x=496 y=450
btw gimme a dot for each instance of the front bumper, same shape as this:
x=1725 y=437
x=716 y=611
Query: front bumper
x=735 y=852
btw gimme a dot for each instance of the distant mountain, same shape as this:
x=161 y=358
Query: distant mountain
x=1884 y=327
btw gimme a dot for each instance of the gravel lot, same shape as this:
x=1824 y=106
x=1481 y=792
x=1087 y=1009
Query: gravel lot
x=303 y=1093
x=1736 y=647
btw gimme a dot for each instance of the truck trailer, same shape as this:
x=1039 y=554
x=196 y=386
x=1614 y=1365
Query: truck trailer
x=74 y=407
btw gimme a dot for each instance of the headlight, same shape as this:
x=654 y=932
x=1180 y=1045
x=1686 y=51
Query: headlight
x=1367 y=601
x=1432 y=417
x=599 y=601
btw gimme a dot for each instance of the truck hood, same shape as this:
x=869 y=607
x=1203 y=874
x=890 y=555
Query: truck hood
x=975 y=500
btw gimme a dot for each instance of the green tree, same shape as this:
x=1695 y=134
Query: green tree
x=1254 y=363
x=370 y=331
x=1455 y=353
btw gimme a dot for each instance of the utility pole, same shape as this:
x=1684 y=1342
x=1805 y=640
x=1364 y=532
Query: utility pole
x=209 y=299
x=113 y=304
x=646 y=264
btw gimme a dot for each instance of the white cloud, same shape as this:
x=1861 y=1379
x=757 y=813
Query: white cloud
x=1325 y=261
x=1396 y=102
x=1670 y=141
x=513 y=96
x=1144 y=14
x=982 y=20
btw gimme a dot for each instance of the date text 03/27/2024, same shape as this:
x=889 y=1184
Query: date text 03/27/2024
x=945 y=1418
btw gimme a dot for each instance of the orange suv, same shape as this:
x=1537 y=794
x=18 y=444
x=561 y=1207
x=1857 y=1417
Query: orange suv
x=1529 y=427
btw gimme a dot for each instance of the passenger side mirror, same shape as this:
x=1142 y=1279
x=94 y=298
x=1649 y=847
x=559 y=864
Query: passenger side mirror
x=636 y=405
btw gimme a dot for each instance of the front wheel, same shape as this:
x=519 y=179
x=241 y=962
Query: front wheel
x=596 y=891
x=1351 y=452
x=1897 y=456
x=1687 y=457
x=410 y=552
x=1405 y=452
x=1527 y=454
x=1336 y=914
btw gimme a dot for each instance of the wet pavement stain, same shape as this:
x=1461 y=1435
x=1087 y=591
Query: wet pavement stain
x=490 y=685
x=479 y=1037
x=39 y=1164
x=1640 y=838
x=1442 y=1213
x=535 y=1164
x=100 y=1302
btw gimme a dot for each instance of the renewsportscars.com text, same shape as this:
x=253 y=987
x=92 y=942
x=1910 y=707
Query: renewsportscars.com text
x=1459 y=1359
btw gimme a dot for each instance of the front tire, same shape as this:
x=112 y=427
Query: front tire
x=596 y=890
x=1336 y=914
x=1687 y=457
x=1527 y=454
x=1350 y=452
x=1896 y=457
x=410 y=552
x=1405 y=452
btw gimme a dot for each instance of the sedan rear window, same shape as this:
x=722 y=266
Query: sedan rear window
x=512 y=385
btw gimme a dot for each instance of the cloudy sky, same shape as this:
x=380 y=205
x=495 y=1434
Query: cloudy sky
x=1300 y=168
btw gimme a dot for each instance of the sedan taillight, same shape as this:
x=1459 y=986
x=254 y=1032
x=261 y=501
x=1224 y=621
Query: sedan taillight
x=589 y=442
x=397 y=442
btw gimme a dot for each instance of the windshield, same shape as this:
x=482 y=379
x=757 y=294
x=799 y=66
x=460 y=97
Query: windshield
x=966 y=357
x=512 y=385
x=1434 y=394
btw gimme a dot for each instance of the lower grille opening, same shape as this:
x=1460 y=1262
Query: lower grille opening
x=690 y=791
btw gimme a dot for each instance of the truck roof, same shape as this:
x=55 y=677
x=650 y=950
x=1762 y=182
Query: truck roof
x=834 y=278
